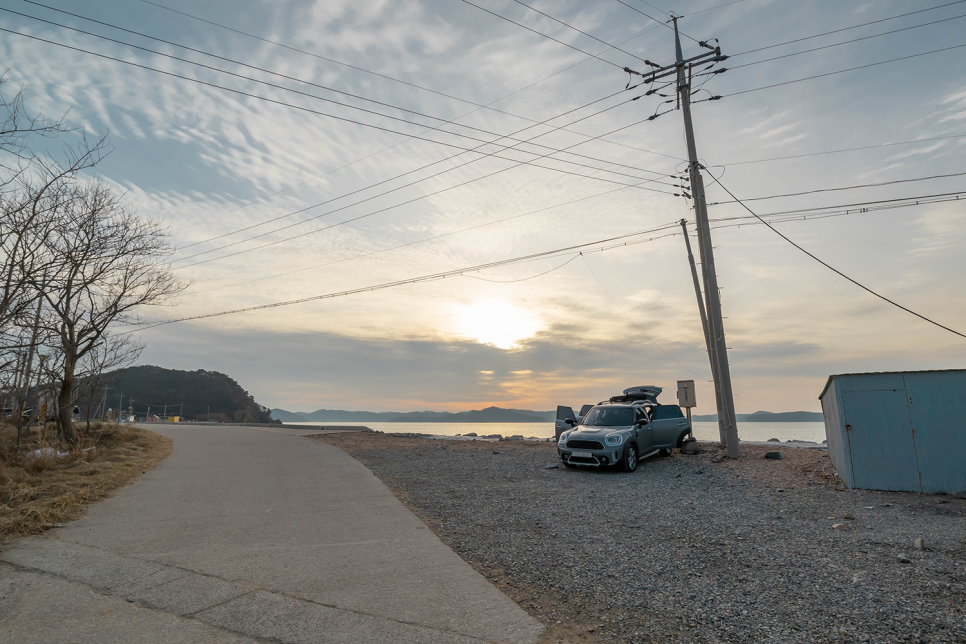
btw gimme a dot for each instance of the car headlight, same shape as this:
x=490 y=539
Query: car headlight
x=614 y=439
x=563 y=438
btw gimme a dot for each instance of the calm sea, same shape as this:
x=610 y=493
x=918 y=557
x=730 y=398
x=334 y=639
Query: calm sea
x=702 y=431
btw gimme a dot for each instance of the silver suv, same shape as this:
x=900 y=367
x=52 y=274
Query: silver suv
x=622 y=432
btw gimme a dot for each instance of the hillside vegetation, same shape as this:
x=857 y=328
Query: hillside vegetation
x=205 y=394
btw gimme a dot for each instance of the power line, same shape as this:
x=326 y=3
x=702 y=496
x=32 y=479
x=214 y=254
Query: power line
x=864 y=185
x=524 y=279
x=842 y=71
x=855 y=208
x=569 y=67
x=641 y=331
x=866 y=147
x=547 y=15
x=720 y=6
x=632 y=8
x=412 y=243
x=801 y=214
x=518 y=164
x=317 y=112
x=397 y=80
x=835 y=270
x=586 y=53
x=846 y=42
x=417 y=280
x=321 y=98
x=835 y=31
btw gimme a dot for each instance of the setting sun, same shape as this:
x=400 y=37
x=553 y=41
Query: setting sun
x=496 y=322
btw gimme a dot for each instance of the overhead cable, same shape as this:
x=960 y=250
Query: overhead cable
x=487 y=106
x=846 y=42
x=850 y=69
x=313 y=96
x=415 y=280
x=639 y=329
x=633 y=8
x=340 y=118
x=835 y=270
x=412 y=243
x=864 y=185
x=720 y=6
x=835 y=31
x=865 y=147
x=520 y=24
x=465 y=114
x=547 y=15
x=341 y=223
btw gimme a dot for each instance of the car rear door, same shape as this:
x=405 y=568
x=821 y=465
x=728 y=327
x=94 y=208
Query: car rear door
x=669 y=423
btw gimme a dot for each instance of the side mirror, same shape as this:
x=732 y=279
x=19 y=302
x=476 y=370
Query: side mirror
x=570 y=421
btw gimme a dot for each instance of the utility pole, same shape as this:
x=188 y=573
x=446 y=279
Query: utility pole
x=707 y=335
x=718 y=352
x=715 y=321
x=120 y=406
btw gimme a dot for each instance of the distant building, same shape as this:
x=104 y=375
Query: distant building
x=903 y=430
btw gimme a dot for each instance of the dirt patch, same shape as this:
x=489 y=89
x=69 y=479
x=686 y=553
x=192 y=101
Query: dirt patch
x=797 y=468
x=41 y=489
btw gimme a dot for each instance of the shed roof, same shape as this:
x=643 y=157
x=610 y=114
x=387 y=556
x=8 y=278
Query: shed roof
x=876 y=373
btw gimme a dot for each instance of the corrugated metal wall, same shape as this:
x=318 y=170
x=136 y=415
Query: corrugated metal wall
x=898 y=431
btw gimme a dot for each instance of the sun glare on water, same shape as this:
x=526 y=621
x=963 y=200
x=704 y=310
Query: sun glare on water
x=498 y=323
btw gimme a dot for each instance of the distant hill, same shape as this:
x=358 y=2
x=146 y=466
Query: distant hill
x=205 y=394
x=768 y=417
x=488 y=415
x=785 y=417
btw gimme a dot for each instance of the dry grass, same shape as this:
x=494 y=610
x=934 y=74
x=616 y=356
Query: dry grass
x=36 y=493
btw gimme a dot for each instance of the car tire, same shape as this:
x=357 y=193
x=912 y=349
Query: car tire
x=665 y=451
x=629 y=459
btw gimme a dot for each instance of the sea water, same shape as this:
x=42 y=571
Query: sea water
x=702 y=431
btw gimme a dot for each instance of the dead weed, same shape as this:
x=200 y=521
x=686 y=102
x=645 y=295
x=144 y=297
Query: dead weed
x=43 y=482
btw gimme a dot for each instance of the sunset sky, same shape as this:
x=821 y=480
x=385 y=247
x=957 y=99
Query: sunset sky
x=217 y=165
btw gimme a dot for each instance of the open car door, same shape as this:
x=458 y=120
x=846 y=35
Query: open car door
x=563 y=415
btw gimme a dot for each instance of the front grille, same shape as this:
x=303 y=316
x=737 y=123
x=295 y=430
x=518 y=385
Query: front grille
x=575 y=444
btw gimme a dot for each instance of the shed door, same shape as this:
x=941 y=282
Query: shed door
x=881 y=440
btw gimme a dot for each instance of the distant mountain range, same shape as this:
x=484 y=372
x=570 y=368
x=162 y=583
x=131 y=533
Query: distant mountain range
x=488 y=415
x=769 y=417
x=499 y=415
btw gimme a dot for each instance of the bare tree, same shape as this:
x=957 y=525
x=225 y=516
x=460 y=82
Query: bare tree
x=112 y=352
x=33 y=189
x=104 y=262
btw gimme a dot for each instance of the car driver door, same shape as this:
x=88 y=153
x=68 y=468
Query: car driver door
x=644 y=430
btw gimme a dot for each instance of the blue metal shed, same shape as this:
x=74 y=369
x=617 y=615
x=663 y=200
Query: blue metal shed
x=902 y=430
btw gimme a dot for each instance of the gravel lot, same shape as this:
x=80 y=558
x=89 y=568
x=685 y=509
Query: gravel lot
x=687 y=549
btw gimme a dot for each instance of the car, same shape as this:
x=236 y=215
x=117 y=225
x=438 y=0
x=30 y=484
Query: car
x=624 y=430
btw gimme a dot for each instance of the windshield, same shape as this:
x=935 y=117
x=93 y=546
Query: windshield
x=609 y=417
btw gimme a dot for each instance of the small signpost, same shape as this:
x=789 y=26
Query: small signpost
x=687 y=397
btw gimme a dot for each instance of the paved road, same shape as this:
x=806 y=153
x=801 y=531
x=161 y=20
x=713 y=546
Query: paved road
x=243 y=535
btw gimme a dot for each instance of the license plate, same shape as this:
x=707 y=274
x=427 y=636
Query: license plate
x=583 y=454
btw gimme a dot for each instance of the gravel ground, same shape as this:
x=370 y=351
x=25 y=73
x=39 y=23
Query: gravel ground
x=688 y=548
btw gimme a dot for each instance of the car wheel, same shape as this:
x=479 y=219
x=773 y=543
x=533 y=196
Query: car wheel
x=629 y=461
x=665 y=451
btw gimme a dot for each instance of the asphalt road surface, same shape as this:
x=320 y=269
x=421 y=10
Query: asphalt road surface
x=246 y=535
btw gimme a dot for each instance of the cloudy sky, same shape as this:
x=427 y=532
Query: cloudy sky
x=302 y=148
